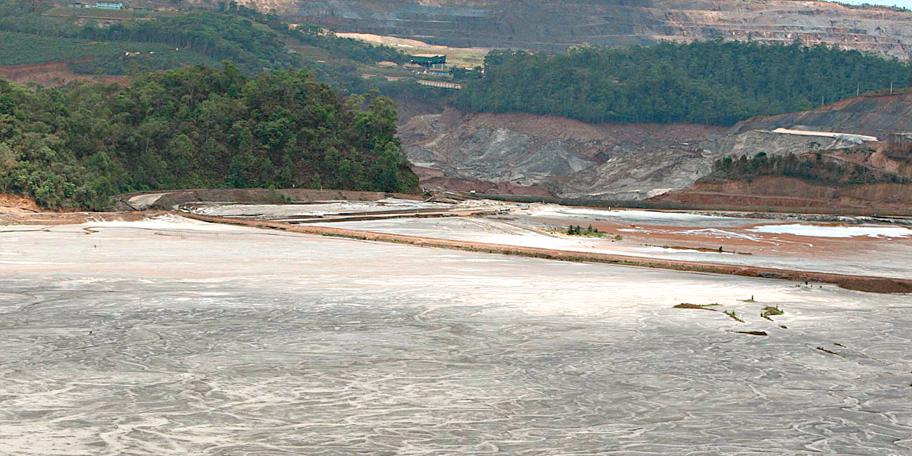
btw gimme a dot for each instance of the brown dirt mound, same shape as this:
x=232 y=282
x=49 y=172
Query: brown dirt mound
x=772 y=193
x=17 y=203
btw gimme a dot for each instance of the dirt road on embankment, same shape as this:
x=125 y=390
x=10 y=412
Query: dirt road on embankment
x=851 y=282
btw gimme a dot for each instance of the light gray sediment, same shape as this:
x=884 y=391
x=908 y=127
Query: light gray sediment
x=187 y=338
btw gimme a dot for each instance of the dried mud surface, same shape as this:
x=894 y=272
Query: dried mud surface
x=170 y=336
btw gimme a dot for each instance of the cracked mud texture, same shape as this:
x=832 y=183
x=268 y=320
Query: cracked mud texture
x=176 y=337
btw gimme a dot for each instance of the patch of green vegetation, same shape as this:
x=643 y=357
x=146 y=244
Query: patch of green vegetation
x=78 y=145
x=686 y=305
x=22 y=48
x=771 y=311
x=141 y=57
x=216 y=36
x=587 y=232
x=749 y=300
x=92 y=13
x=733 y=315
x=95 y=57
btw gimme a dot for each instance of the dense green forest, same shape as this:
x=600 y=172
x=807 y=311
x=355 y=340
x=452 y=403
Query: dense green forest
x=811 y=167
x=78 y=145
x=714 y=82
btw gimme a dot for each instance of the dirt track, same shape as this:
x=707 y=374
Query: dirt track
x=851 y=282
x=52 y=74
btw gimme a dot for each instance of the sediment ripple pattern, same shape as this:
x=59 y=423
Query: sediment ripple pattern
x=478 y=355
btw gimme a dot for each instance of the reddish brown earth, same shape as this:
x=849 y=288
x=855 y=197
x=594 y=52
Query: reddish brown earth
x=71 y=218
x=52 y=74
x=16 y=204
x=773 y=193
x=740 y=241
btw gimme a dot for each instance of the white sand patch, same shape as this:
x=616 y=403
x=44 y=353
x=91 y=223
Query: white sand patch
x=625 y=215
x=723 y=234
x=163 y=222
x=314 y=210
x=835 y=231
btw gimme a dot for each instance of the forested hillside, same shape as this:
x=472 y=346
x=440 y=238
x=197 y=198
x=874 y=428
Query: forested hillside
x=713 y=83
x=150 y=41
x=78 y=145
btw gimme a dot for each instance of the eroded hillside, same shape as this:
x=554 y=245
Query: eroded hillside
x=552 y=24
x=525 y=153
x=522 y=153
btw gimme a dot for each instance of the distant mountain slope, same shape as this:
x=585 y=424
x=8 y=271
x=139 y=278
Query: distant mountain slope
x=558 y=24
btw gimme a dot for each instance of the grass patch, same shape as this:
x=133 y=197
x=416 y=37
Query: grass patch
x=24 y=48
x=94 y=57
x=734 y=315
x=92 y=13
x=771 y=311
x=687 y=305
x=585 y=232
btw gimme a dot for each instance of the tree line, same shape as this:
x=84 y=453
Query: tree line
x=709 y=82
x=78 y=145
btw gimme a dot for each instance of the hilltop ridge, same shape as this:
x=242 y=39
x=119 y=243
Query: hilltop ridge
x=557 y=25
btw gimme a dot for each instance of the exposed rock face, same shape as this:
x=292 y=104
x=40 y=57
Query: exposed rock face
x=639 y=175
x=554 y=24
x=568 y=157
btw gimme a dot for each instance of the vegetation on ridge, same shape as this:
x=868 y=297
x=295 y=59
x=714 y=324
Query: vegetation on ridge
x=814 y=168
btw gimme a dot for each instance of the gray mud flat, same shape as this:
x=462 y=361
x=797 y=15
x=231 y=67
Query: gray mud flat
x=175 y=337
